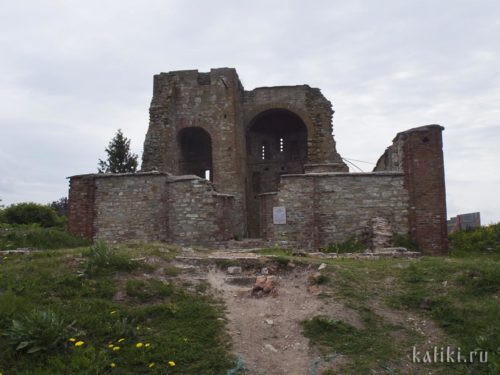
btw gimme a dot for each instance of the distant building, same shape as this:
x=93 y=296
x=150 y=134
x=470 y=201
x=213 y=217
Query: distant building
x=464 y=222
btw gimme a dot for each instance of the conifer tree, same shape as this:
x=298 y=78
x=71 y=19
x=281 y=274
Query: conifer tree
x=120 y=159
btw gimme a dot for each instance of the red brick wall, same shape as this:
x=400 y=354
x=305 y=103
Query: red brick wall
x=424 y=179
x=81 y=206
x=225 y=209
x=267 y=202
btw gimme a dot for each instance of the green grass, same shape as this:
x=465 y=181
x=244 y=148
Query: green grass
x=459 y=294
x=351 y=245
x=101 y=260
x=461 y=297
x=370 y=347
x=32 y=236
x=482 y=240
x=52 y=299
x=52 y=289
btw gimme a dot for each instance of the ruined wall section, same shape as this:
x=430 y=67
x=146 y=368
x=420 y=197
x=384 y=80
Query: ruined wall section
x=419 y=153
x=131 y=207
x=211 y=101
x=322 y=209
x=149 y=206
x=311 y=106
x=160 y=144
x=81 y=202
x=197 y=214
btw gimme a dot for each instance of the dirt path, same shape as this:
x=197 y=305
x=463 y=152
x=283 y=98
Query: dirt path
x=265 y=330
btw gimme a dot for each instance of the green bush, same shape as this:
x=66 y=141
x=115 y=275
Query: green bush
x=400 y=240
x=479 y=240
x=41 y=330
x=101 y=259
x=32 y=236
x=351 y=245
x=31 y=213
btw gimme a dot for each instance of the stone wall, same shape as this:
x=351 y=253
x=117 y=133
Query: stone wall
x=197 y=214
x=131 y=207
x=418 y=153
x=255 y=142
x=81 y=205
x=149 y=206
x=217 y=103
x=310 y=105
x=211 y=101
x=326 y=208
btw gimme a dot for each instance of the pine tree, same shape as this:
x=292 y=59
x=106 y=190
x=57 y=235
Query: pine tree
x=120 y=159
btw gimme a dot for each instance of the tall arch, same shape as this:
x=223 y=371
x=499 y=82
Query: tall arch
x=195 y=152
x=276 y=142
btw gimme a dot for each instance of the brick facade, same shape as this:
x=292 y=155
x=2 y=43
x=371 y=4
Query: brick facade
x=418 y=153
x=149 y=206
x=328 y=208
x=260 y=149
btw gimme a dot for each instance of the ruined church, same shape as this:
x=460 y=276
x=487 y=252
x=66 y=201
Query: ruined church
x=222 y=163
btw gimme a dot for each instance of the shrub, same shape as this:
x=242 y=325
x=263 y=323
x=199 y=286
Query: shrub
x=100 y=258
x=31 y=236
x=400 y=240
x=60 y=206
x=41 y=330
x=479 y=240
x=31 y=213
x=351 y=245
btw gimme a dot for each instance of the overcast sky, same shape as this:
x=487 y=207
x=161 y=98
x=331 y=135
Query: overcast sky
x=73 y=72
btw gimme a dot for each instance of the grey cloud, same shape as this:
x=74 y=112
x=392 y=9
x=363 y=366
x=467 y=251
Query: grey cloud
x=73 y=73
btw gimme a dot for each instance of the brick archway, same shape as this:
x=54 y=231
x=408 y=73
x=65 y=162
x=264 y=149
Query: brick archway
x=276 y=144
x=195 y=152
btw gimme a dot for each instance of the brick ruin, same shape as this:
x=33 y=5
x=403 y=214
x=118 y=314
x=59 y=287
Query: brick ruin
x=221 y=163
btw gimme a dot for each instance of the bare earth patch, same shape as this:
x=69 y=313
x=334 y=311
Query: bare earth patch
x=265 y=328
x=266 y=331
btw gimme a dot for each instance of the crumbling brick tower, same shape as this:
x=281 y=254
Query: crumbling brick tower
x=271 y=156
x=207 y=125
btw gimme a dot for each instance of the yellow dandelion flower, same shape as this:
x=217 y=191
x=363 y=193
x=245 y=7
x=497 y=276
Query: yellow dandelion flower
x=151 y=365
x=147 y=345
x=79 y=343
x=72 y=339
x=116 y=348
x=171 y=363
x=113 y=365
x=111 y=346
x=139 y=345
x=121 y=340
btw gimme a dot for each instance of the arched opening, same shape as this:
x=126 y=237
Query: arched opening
x=195 y=152
x=276 y=144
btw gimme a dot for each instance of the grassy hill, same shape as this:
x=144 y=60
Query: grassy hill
x=124 y=310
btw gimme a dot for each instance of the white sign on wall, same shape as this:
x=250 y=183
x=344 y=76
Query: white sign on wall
x=279 y=215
